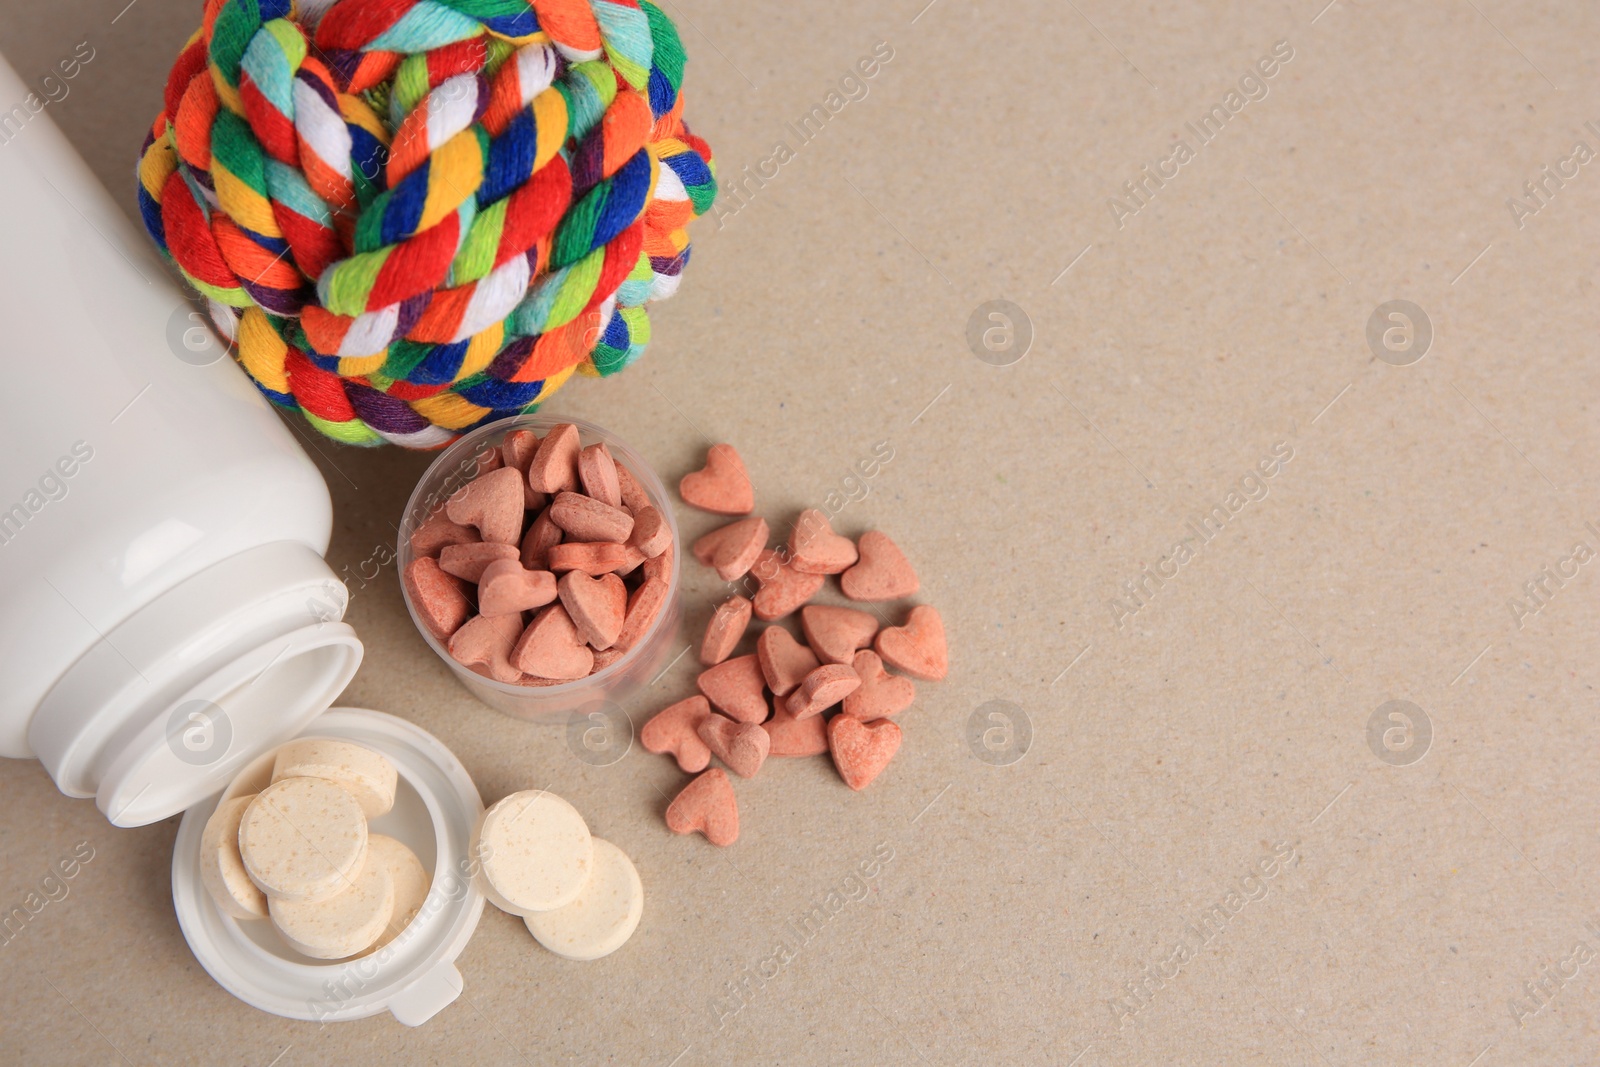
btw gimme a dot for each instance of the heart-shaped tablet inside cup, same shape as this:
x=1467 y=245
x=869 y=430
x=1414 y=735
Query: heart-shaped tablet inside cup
x=491 y=502
x=506 y=586
x=554 y=467
x=597 y=606
x=551 y=647
x=440 y=599
x=487 y=641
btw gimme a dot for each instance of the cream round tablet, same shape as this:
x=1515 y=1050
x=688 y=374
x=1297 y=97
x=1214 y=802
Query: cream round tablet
x=534 y=852
x=302 y=839
x=222 y=871
x=368 y=776
x=343 y=924
x=603 y=916
x=411 y=882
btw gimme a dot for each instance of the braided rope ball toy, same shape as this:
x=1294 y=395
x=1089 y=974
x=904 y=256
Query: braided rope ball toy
x=415 y=216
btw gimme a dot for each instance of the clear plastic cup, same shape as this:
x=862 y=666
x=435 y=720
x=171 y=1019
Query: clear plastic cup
x=549 y=703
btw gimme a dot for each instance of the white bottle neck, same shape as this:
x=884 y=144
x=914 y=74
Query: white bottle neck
x=169 y=704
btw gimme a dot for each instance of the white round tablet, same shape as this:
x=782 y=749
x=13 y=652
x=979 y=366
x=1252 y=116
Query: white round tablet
x=222 y=871
x=343 y=924
x=302 y=839
x=411 y=882
x=603 y=916
x=369 y=777
x=534 y=852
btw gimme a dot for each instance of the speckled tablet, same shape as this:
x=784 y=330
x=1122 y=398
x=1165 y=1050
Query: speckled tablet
x=534 y=852
x=602 y=917
x=368 y=776
x=222 y=871
x=411 y=882
x=345 y=923
x=303 y=839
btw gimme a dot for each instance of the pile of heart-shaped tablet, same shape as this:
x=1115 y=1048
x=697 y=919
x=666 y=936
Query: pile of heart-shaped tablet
x=828 y=693
x=484 y=580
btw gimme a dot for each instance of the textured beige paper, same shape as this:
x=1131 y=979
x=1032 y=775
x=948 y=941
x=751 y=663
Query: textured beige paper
x=1220 y=732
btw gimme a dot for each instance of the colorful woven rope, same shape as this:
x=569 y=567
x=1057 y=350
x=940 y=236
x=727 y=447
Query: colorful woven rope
x=416 y=216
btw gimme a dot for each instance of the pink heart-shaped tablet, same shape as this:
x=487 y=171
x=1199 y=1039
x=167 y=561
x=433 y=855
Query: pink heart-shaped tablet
x=918 y=647
x=439 y=599
x=541 y=537
x=722 y=487
x=554 y=467
x=644 y=604
x=835 y=633
x=597 y=606
x=725 y=630
x=660 y=566
x=597 y=473
x=883 y=572
x=736 y=687
x=486 y=641
x=506 y=586
x=743 y=746
x=881 y=694
x=437 y=531
x=486 y=459
x=706 y=804
x=591 y=557
x=632 y=558
x=822 y=689
x=783 y=589
x=651 y=535
x=675 y=729
x=468 y=561
x=815 y=549
x=493 y=503
x=517 y=449
x=732 y=549
x=784 y=661
x=587 y=519
x=795 y=737
x=551 y=647
x=607 y=657
x=861 y=750
x=634 y=498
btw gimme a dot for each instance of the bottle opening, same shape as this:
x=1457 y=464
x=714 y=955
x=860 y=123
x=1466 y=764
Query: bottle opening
x=177 y=697
x=252 y=704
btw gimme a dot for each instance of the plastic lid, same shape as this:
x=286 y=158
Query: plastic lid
x=413 y=976
x=164 y=710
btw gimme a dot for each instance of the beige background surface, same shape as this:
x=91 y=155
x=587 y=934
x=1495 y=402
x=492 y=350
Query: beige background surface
x=1168 y=754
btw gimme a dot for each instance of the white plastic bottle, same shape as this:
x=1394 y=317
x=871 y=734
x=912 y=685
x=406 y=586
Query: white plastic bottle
x=165 y=611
